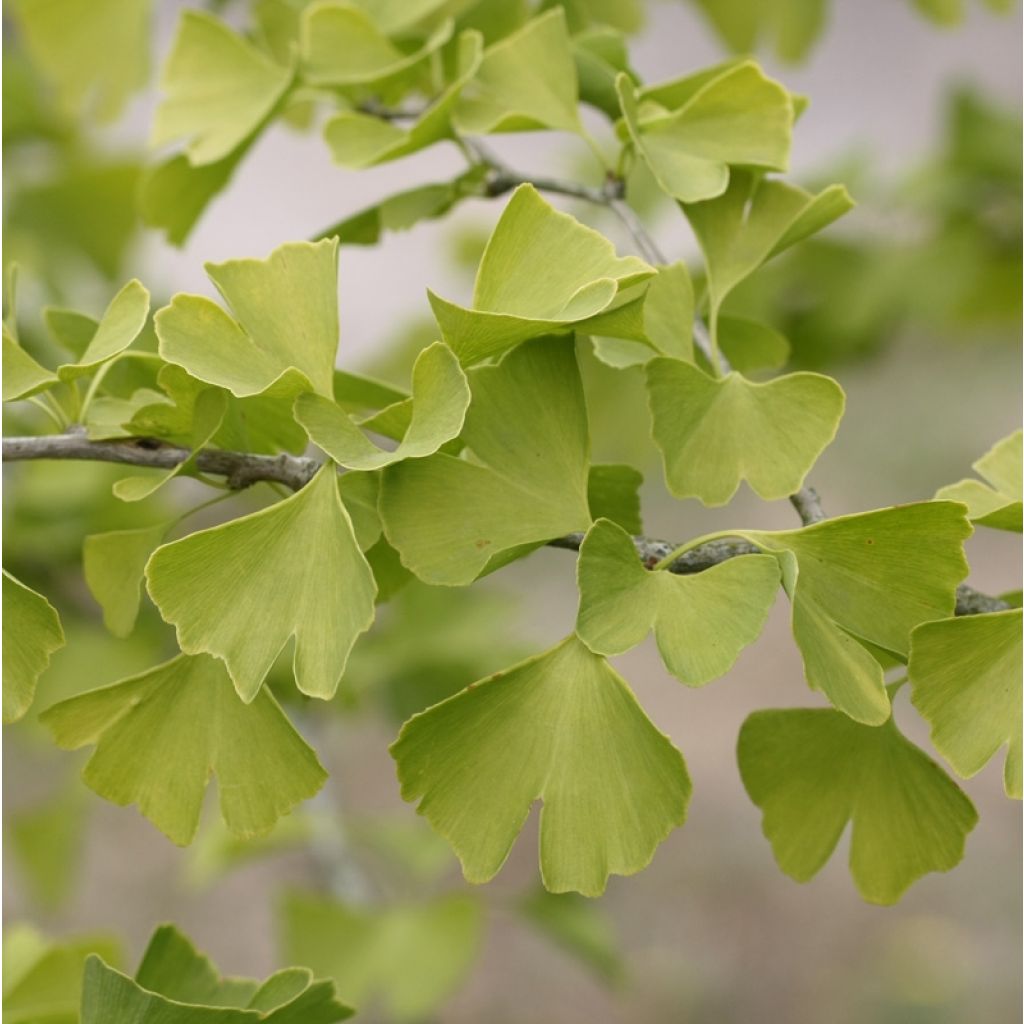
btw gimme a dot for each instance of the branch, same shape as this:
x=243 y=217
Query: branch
x=239 y=468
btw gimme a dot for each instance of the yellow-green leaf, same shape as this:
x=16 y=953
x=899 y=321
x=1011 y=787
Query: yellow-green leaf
x=31 y=633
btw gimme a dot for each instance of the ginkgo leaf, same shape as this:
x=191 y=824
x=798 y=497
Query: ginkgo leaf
x=340 y=45
x=113 y=565
x=410 y=957
x=526 y=81
x=715 y=433
x=564 y=728
x=613 y=492
x=871 y=577
x=812 y=771
x=160 y=735
x=753 y=220
x=22 y=375
x=735 y=117
x=243 y=589
x=600 y=54
x=542 y=273
x=701 y=622
x=526 y=482
x=440 y=397
x=31 y=633
x=210 y=409
x=996 y=503
x=359 y=140
x=218 y=87
x=750 y=345
x=120 y=325
x=70 y=329
x=286 y=332
x=966 y=678
x=73 y=43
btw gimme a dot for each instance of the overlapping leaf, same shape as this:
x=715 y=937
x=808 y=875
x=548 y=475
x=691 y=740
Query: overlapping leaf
x=753 y=220
x=31 y=633
x=341 y=45
x=563 y=728
x=22 y=375
x=996 y=503
x=440 y=397
x=409 y=957
x=613 y=492
x=526 y=482
x=700 y=622
x=359 y=140
x=218 y=88
x=966 y=677
x=75 y=44
x=286 y=332
x=160 y=735
x=871 y=577
x=715 y=433
x=813 y=771
x=175 y=984
x=691 y=132
x=242 y=590
x=542 y=273
x=527 y=81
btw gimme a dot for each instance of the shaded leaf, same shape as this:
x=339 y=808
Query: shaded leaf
x=160 y=735
x=544 y=730
x=31 y=633
x=613 y=492
x=811 y=772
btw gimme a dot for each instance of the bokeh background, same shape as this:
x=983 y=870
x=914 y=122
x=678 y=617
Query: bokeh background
x=912 y=301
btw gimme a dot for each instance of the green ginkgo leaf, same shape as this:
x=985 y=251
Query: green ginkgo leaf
x=715 y=433
x=525 y=482
x=542 y=273
x=440 y=397
x=218 y=87
x=22 y=375
x=613 y=492
x=120 y=325
x=160 y=735
x=564 y=728
x=733 y=115
x=70 y=329
x=74 y=46
x=410 y=957
x=211 y=406
x=701 y=622
x=526 y=81
x=113 y=565
x=996 y=503
x=286 y=332
x=242 y=590
x=966 y=677
x=31 y=633
x=340 y=45
x=753 y=220
x=359 y=140
x=871 y=577
x=812 y=771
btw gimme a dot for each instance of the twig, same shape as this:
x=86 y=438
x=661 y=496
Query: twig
x=240 y=469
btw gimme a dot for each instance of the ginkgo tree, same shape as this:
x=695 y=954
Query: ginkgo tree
x=486 y=459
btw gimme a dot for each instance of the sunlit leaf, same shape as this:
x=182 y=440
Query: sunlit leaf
x=217 y=88
x=542 y=273
x=286 y=332
x=563 y=728
x=966 y=677
x=22 y=375
x=871 y=577
x=812 y=771
x=120 y=325
x=996 y=503
x=243 y=589
x=525 y=82
x=440 y=397
x=160 y=735
x=715 y=433
x=31 y=633
x=526 y=483
x=409 y=958
x=730 y=116
x=701 y=622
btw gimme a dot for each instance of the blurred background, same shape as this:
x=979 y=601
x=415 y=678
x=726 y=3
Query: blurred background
x=912 y=302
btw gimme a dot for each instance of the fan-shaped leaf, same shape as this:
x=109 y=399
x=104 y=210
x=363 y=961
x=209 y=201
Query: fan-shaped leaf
x=31 y=633
x=996 y=503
